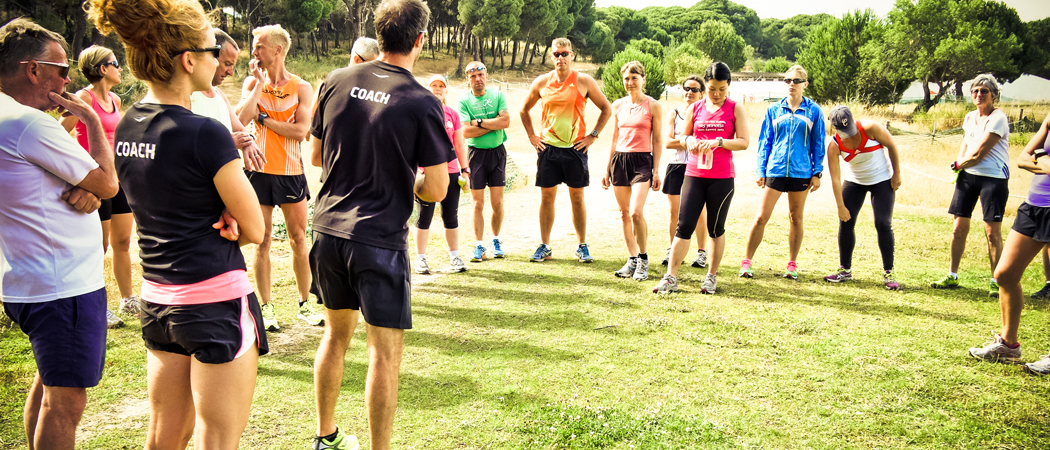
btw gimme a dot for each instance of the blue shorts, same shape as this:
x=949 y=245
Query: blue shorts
x=352 y=275
x=68 y=336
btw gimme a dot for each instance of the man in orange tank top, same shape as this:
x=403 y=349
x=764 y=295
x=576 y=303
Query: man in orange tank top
x=562 y=145
x=279 y=104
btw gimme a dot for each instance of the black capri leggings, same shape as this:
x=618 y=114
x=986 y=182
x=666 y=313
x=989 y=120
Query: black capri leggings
x=716 y=194
x=449 y=207
x=882 y=199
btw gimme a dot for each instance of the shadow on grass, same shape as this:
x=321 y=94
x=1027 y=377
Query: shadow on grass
x=484 y=347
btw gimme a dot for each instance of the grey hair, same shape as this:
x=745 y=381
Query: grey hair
x=988 y=81
x=366 y=48
x=221 y=39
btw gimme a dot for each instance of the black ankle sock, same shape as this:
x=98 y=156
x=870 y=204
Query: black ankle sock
x=644 y=256
x=301 y=304
x=332 y=436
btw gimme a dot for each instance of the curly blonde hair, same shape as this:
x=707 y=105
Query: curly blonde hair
x=152 y=31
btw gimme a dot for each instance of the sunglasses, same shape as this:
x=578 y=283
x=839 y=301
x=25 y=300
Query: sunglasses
x=561 y=54
x=794 y=81
x=478 y=68
x=115 y=64
x=693 y=89
x=213 y=50
x=982 y=91
x=63 y=68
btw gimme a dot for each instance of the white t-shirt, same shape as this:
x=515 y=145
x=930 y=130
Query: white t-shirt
x=214 y=107
x=50 y=250
x=996 y=163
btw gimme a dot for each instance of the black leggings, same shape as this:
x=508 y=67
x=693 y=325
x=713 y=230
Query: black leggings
x=449 y=207
x=716 y=194
x=882 y=199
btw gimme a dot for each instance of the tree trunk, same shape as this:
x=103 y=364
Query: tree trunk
x=502 y=55
x=514 y=54
x=544 y=55
x=430 y=39
x=927 y=101
x=313 y=43
x=959 y=91
x=479 y=47
x=530 y=53
x=224 y=25
x=78 y=33
x=462 y=49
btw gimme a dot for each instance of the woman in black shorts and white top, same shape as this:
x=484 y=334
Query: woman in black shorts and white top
x=674 y=176
x=636 y=145
x=200 y=319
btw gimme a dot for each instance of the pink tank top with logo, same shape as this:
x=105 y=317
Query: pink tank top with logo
x=634 y=125
x=713 y=125
x=109 y=120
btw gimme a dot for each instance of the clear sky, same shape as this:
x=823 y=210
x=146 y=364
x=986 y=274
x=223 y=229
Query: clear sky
x=1028 y=9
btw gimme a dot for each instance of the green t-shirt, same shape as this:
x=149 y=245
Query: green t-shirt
x=487 y=106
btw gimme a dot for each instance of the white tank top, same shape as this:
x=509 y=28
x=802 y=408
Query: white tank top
x=214 y=107
x=680 y=156
x=867 y=168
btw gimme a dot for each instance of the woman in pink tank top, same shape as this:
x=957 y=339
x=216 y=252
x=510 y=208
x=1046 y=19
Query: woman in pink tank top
x=636 y=145
x=100 y=66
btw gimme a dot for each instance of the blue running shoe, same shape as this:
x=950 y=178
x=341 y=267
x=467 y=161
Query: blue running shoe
x=543 y=253
x=479 y=254
x=497 y=251
x=583 y=254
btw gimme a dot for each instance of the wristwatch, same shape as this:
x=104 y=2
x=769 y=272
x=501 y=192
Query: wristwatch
x=465 y=170
x=1039 y=153
x=594 y=134
x=479 y=123
x=819 y=175
x=262 y=115
x=719 y=142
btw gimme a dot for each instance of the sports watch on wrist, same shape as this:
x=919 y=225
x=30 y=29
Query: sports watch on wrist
x=1039 y=153
x=819 y=175
x=593 y=134
x=262 y=115
x=479 y=123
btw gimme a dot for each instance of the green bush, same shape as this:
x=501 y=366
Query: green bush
x=777 y=65
x=612 y=85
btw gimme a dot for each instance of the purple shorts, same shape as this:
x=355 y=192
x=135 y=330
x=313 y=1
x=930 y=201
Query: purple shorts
x=68 y=336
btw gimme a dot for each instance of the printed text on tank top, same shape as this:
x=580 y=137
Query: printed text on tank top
x=867 y=145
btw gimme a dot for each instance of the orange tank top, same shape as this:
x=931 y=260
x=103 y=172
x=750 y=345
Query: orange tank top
x=282 y=153
x=563 y=111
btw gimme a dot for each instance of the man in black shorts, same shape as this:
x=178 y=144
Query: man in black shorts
x=359 y=259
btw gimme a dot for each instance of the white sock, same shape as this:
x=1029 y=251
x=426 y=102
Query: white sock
x=953 y=275
x=481 y=243
x=496 y=238
x=421 y=255
x=993 y=280
x=453 y=253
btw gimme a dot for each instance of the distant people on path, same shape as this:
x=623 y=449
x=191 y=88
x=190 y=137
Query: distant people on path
x=485 y=122
x=1029 y=237
x=632 y=171
x=790 y=159
x=714 y=128
x=872 y=165
x=50 y=235
x=982 y=172
x=450 y=205
x=360 y=257
x=200 y=317
x=674 y=175
x=280 y=104
x=101 y=68
x=562 y=144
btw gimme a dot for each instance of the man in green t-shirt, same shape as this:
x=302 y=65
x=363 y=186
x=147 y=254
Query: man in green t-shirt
x=485 y=120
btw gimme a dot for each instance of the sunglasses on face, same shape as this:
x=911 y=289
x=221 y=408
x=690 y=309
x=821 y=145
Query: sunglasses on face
x=478 y=68
x=213 y=50
x=115 y=64
x=794 y=81
x=561 y=54
x=982 y=91
x=693 y=89
x=63 y=68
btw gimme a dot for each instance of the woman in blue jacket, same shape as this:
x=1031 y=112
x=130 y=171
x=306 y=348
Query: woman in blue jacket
x=790 y=159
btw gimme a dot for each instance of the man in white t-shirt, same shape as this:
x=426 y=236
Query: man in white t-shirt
x=50 y=234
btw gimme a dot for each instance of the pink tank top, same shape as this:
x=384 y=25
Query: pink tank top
x=109 y=121
x=713 y=125
x=634 y=126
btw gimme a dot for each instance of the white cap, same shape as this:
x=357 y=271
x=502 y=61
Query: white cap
x=437 y=77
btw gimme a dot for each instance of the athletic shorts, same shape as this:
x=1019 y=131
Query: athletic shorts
x=116 y=205
x=277 y=190
x=68 y=336
x=557 y=165
x=787 y=184
x=1033 y=221
x=488 y=167
x=993 y=193
x=673 y=179
x=214 y=333
x=352 y=275
x=629 y=168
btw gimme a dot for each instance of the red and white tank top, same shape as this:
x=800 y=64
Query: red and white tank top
x=868 y=164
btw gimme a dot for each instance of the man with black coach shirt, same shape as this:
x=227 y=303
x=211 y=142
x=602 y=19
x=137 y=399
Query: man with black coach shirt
x=375 y=124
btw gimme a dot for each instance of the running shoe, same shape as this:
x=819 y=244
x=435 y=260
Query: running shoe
x=791 y=272
x=342 y=441
x=843 y=274
x=584 y=254
x=997 y=351
x=310 y=315
x=745 y=270
x=668 y=285
x=628 y=268
x=641 y=273
x=993 y=291
x=710 y=285
x=129 y=306
x=667 y=257
x=890 y=282
x=269 y=314
x=1041 y=367
x=543 y=253
x=421 y=266
x=456 y=265
x=949 y=282
x=497 y=250
x=1043 y=293
x=479 y=254
x=701 y=259
x=112 y=321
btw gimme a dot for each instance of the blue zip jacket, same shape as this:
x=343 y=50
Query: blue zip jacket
x=791 y=144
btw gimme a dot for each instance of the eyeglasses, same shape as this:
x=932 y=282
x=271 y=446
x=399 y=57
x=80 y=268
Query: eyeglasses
x=214 y=51
x=982 y=91
x=693 y=89
x=63 y=68
x=477 y=68
x=561 y=54
x=794 y=81
x=115 y=64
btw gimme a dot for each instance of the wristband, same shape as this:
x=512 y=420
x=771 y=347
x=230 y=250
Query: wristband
x=1039 y=153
